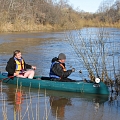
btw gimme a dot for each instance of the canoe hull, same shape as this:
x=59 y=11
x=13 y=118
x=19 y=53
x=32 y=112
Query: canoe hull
x=81 y=87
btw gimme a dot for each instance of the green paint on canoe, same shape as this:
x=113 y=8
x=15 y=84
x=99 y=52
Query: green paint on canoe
x=81 y=87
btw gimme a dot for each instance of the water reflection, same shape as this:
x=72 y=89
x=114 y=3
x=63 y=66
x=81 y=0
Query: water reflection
x=58 y=106
x=18 y=100
x=15 y=98
x=62 y=105
x=24 y=41
x=19 y=43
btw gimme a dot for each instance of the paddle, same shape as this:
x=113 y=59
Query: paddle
x=8 y=78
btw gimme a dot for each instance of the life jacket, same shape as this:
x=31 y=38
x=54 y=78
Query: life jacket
x=63 y=67
x=19 y=65
x=52 y=74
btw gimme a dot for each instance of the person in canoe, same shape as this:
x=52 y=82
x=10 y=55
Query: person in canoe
x=58 y=70
x=16 y=66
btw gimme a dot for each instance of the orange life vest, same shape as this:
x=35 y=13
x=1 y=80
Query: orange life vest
x=63 y=67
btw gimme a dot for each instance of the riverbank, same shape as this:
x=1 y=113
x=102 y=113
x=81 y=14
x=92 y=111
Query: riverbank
x=20 y=26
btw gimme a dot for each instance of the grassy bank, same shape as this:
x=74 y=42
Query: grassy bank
x=20 y=26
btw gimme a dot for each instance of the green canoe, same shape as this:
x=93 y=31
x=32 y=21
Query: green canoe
x=37 y=82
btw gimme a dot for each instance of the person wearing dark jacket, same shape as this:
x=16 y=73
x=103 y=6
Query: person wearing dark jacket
x=16 y=66
x=58 y=70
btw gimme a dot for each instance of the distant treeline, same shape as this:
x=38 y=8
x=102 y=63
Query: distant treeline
x=32 y=15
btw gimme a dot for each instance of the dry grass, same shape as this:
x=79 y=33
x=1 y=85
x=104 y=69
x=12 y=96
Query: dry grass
x=21 y=25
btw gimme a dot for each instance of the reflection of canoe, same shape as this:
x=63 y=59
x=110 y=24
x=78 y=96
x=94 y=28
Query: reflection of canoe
x=83 y=96
x=81 y=87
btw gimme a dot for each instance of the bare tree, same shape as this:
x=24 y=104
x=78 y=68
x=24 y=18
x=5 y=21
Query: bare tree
x=95 y=53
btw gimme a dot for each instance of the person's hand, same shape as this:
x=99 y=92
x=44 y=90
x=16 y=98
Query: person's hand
x=34 y=67
x=73 y=69
x=16 y=73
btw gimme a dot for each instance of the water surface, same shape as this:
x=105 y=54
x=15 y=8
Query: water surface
x=38 y=49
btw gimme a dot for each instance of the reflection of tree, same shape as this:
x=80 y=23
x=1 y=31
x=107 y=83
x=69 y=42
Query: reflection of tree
x=19 y=43
x=58 y=106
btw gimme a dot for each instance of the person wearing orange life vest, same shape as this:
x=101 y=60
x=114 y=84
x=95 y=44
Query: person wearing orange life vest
x=58 y=70
x=16 y=66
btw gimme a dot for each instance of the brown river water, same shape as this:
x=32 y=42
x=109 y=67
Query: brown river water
x=38 y=48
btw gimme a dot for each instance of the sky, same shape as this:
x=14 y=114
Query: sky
x=86 y=5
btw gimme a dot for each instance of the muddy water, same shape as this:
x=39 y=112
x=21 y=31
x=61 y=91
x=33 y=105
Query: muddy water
x=38 y=49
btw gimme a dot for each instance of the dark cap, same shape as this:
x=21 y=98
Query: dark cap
x=61 y=56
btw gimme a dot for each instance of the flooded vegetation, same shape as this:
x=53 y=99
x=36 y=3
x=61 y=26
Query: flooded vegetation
x=21 y=103
x=98 y=49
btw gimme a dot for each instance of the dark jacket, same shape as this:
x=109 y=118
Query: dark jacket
x=11 y=66
x=58 y=70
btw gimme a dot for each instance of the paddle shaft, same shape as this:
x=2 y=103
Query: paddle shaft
x=8 y=78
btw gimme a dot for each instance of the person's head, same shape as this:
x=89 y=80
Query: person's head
x=17 y=54
x=62 y=57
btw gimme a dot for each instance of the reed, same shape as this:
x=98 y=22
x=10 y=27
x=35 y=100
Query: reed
x=21 y=99
x=20 y=25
